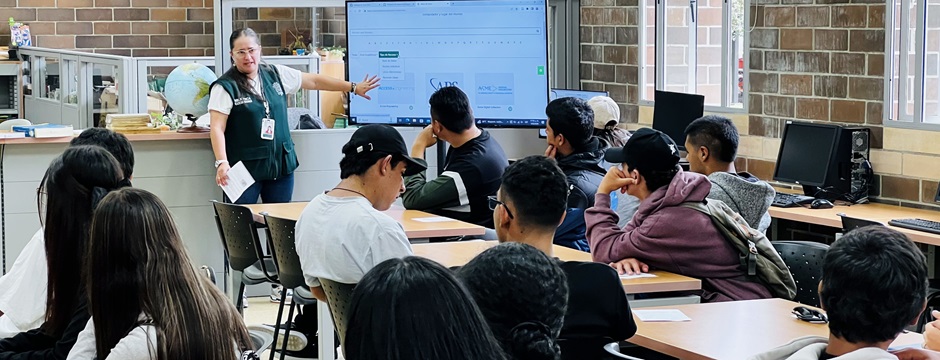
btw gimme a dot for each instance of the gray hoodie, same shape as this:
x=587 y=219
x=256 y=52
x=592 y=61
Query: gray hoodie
x=745 y=194
x=810 y=347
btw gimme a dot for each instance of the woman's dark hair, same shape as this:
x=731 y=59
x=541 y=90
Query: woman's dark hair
x=135 y=250
x=116 y=144
x=523 y=294
x=71 y=188
x=874 y=283
x=416 y=298
x=241 y=80
x=358 y=163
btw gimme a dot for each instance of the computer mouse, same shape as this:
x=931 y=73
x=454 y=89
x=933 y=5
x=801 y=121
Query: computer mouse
x=820 y=204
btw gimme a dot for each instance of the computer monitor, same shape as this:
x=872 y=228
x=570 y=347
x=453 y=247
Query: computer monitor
x=806 y=153
x=496 y=51
x=673 y=112
x=580 y=94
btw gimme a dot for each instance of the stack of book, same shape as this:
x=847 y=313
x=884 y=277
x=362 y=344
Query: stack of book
x=45 y=130
x=131 y=124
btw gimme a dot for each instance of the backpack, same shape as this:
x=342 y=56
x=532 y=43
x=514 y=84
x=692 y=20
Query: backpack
x=758 y=256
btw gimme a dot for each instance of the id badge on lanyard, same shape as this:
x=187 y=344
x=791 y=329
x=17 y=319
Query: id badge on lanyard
x=267 y=123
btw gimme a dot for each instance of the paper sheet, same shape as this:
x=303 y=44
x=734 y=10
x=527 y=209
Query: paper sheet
x=667 y=315
x=637 y=276
x=239 y=179
x=433 y=219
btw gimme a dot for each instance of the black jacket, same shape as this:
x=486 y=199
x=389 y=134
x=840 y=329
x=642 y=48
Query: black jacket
x=37 y=345
x=584 y=171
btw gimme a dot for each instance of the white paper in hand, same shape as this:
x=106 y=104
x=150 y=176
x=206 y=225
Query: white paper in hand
x=433 y=219
x=239 y=179
x=661 y=315
x=637 y=276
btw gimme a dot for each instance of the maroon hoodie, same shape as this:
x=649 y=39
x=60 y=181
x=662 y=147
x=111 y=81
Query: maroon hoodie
x=672 y=238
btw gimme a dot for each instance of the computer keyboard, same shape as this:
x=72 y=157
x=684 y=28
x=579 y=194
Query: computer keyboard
x=917 y=224
x=790 y=200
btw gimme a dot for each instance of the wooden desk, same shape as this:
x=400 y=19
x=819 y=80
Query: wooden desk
x=732 y=330
x=413 y=229
x=452 y=254
x=876 y=212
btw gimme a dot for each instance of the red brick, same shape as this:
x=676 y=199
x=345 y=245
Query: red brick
x=149 y=52
x=149 y=27
x=898 y=187
x=928 y=191
x=42 y=28
x=866 y=88
x=850 y=16
x=167 y=41
x=131 y=14
x=812 y=16
x=867 y=40
x=796 y=85
x=109 y=28
x=73 y=28
x=817 y=62
x=849 y=63
x=199 y=14
x=184 y=3
x=875 y=113
x=93 y=14
x=876 y=65
x=779 y=16
x=849 y=111
x=119 y=52
x=832 y=39
x=92 y=41
x=76 y=3
x=112 y=3
x=35 y=3
x=131 y=41
x=762 y=169
x=615 y=54
x=778 y=106
x=56 y=42
x=763 y=82
x=796 y=39
x=20 y=15
x=184 y=27
x=755 y=104
x=55 y=15
x=169 y=14
x=876 y=16
x=812 y=109
x=187 y=52
x=148 y=3
x=831 y=86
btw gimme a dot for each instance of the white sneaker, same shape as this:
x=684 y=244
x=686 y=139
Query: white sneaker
x=296 y=342
x=276 y=295
x=244 y=301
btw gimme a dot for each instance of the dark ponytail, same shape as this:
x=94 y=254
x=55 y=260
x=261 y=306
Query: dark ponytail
x=533 y=341
x=240 y=78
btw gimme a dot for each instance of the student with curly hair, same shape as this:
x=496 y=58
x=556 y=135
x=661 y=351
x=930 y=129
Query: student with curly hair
x=523 y=295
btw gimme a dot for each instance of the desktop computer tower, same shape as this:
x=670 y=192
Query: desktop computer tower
x=850 y=173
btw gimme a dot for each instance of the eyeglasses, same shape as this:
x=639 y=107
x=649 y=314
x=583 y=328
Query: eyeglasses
x=249 y=51
x=810 y=315
x=495 y=202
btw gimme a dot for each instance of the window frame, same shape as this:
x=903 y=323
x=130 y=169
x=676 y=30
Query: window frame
x=916 y=119
x=728 y=84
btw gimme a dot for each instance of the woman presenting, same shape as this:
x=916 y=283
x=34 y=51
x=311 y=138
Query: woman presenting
x=248 y=118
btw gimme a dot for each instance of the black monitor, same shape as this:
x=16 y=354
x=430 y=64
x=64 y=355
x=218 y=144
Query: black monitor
x=806 y=153
x=580 y=94
x=673 y=112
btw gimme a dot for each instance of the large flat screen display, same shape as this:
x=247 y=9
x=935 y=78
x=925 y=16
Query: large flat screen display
x=494 y=50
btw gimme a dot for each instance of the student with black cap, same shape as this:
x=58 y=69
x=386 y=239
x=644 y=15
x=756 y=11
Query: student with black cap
x=663 y=234
x=343 y=233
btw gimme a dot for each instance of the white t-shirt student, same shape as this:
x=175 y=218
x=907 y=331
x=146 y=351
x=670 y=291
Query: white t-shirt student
x=342 y=238
x=139 y=344
x=23 y=289
x=221 y=101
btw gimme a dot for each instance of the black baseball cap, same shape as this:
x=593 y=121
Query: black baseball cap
x=383 y=139
x=646 y=150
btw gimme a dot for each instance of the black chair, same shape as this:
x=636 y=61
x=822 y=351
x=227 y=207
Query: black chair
x=243 y=251
x=339 y=299
x=850 y=223
x=805 y=261
x=290 y=274
x=614 y=349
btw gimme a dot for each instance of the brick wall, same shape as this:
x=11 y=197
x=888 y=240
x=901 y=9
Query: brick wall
x=121 y=27
x=159 y=27
x=609 y=50
x=810 y=60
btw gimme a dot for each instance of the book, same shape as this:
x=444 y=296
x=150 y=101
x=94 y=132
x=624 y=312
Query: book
x=46 y=130
x=11 y=135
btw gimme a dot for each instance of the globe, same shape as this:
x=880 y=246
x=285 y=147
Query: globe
x=187 y=89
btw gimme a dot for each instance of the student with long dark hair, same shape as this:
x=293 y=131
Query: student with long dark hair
x=167 y=310
x=523 y=294
x=73 y=185
x=401 y=300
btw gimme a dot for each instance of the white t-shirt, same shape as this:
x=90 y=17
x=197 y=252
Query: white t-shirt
x=342 y=238
x=221 y=101
x=139 y=344
x=23 y=289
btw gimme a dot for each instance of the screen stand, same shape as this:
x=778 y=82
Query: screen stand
x=441 y=156
x=810 y=190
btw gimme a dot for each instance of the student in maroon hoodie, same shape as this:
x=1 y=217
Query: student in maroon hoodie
x=662 y=234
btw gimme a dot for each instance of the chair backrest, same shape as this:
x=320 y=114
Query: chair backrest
x=850 y=223
x=614 y=349
x=339 y=298
x=239 y=235
x=805 y=261
x=9 y=124
x=260 y=340
x=281 y=231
